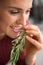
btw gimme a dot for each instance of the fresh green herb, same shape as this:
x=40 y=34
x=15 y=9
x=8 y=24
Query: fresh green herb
x=18 y=44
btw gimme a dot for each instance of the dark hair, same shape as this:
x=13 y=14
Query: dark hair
x=1 y=0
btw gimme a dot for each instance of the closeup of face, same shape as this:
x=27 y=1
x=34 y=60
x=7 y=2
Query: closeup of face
x=13 y=16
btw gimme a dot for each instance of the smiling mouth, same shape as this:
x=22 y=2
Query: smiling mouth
x=16 y=29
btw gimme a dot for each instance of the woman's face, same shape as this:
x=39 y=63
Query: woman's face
x=14 y=13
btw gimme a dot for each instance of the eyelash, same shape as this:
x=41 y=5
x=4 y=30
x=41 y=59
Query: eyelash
x=12 y=12
x=16 y=12
x=28 y=11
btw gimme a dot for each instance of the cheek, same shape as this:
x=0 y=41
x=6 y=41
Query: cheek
x=3 y=22
x=6 y=18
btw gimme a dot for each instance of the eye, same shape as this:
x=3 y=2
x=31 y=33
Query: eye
x=28 y=11
x=14 y=12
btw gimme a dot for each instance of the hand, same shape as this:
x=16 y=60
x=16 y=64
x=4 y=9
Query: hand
x=34 y=40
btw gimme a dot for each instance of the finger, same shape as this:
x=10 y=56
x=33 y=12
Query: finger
x=34 y=42
x=31 y=27
x=33 y=33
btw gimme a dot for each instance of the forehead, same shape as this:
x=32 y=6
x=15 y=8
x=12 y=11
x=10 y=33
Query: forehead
x=18 y=3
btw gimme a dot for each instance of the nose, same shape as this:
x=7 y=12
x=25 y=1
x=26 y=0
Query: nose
x=22 y=19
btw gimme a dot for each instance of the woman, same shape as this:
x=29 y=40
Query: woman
x=15 y=13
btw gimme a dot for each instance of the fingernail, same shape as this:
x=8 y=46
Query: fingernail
x=26 y=36
x=27 y=31
x=25 y=27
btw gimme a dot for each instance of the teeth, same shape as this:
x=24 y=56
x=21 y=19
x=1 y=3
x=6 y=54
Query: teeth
x=16 y=27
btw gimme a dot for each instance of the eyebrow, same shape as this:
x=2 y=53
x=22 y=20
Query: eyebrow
x=16 y=8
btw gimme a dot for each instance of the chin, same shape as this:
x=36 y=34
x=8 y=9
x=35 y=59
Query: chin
x=12 y=36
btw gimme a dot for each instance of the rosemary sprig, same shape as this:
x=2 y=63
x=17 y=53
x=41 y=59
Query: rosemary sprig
x=18 y=44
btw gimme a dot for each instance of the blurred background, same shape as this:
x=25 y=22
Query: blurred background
x=36 y=17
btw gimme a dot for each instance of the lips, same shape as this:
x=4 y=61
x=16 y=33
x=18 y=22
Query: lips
x=16 y=29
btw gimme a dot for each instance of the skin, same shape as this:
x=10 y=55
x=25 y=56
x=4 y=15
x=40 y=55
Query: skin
x=14 y=19
x=16 y=13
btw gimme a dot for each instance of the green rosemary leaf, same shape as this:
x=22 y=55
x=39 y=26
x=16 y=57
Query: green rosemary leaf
x=22 y=42
x=16 y=56
x=17 y=48
x=16 y=40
